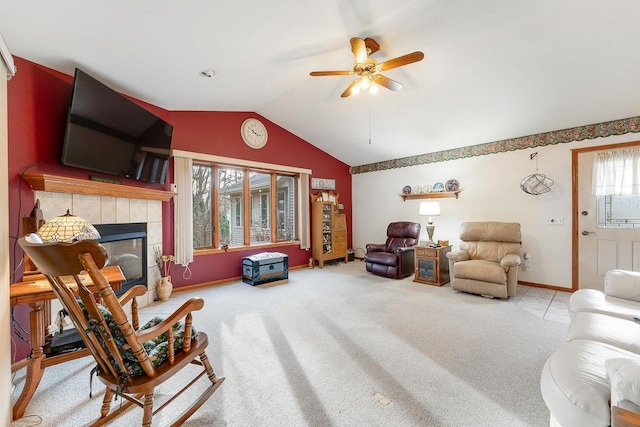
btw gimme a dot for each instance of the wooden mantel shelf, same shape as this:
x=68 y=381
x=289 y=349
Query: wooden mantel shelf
x=432 y=195
x=61 y=184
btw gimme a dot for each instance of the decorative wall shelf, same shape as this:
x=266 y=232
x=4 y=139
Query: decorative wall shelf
x=61 y=184
x=433 y=195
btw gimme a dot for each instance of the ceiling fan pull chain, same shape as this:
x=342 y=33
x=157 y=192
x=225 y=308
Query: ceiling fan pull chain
x=369 y=102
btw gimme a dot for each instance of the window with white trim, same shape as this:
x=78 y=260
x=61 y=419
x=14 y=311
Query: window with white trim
x=233 y=206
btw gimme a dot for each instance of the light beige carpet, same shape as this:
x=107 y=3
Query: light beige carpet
x=341 y=347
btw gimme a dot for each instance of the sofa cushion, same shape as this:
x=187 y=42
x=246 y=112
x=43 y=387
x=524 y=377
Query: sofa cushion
x=480 y=270
x=157 y=348
x=594 y=301
x=606 y=329
x=624 y=376
x=622 y=284
x=574 y=383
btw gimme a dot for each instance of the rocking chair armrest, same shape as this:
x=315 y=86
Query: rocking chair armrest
x=134 y=291
x=192 y=304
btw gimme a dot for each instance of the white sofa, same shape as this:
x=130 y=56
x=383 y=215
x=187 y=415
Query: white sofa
x=599 y=365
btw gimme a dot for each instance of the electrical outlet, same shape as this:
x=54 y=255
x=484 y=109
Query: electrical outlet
x=554 y=221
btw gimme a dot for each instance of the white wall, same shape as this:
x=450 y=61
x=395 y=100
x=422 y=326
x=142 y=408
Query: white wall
x=490 y=192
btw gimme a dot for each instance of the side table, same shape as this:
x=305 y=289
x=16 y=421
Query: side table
x=621 y=417
x=431 y=265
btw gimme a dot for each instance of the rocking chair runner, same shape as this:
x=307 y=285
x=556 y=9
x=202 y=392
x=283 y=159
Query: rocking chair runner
x=130 y=362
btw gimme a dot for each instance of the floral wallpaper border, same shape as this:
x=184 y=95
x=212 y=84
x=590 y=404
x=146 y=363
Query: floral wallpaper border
x=599 y=130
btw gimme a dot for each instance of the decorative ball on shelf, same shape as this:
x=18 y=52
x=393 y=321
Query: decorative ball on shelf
x=452 y=185
x=406 y=189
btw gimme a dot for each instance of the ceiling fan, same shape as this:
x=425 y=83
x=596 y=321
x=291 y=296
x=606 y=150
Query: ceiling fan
x=368 y=69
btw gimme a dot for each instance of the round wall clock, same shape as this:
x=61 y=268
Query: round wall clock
x=254 y=133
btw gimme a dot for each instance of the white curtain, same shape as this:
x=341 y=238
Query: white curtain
x=183 y=210
x=616 y=173
x=303 y=211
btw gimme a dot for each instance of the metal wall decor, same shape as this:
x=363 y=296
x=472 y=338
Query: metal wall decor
x=536 y=183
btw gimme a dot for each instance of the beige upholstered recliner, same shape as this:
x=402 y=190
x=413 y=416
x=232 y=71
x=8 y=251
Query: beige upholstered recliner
x=488 y=260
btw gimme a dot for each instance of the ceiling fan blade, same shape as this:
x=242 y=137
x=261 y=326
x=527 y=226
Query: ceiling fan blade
x=386 y=82
x=347 y=91
x=372 y=45
x=331 y=73
x=401 y=60
x=359 y=49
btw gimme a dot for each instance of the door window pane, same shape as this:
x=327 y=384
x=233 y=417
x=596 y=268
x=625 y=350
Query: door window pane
x=619 y=211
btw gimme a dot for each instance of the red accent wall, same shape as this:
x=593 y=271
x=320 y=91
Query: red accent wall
x=38 y=102
x=218 y=133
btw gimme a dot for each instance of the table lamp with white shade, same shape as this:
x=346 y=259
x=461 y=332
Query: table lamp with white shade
x=430 y=209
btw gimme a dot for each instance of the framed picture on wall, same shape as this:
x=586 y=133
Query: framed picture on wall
x=323 y=184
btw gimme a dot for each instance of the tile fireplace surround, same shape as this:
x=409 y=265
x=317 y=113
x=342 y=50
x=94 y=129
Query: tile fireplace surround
x=109 y=209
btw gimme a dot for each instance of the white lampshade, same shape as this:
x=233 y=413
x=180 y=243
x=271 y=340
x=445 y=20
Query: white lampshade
x=67 y=228
x=429 y=208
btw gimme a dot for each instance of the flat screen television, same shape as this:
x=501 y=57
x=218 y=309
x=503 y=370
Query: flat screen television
x=106 y=132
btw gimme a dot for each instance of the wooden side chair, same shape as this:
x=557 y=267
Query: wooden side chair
x=131 y=362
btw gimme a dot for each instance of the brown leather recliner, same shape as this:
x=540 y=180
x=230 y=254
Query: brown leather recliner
x=395 y=257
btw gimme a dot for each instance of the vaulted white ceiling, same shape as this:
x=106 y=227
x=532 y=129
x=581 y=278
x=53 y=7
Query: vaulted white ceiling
x=493 y=69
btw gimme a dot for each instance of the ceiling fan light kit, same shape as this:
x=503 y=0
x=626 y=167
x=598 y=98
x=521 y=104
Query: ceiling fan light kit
x=368 y=69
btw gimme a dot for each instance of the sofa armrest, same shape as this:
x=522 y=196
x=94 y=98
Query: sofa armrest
x=457 y=256
x=510 y=260
x=624 y=376
x=376 y=247
x=622 y=284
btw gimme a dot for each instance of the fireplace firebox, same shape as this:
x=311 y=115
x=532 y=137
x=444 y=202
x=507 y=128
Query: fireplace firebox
x=126 y=245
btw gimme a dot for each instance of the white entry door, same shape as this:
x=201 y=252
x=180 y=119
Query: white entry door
x=600 y=249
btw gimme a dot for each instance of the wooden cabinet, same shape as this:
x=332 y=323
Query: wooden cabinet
x=328 y=230
x=431 y=265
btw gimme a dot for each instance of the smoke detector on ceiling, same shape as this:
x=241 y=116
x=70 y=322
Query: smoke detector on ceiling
x=209 y=72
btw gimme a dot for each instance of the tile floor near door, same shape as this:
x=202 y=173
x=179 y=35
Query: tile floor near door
x=544 y=303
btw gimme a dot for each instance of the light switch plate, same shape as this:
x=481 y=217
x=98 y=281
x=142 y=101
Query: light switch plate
x=554 y=221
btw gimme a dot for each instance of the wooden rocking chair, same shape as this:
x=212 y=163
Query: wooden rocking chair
x=131 y=362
